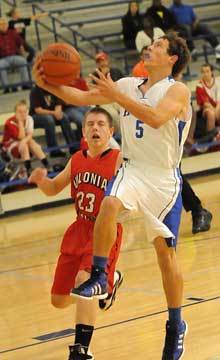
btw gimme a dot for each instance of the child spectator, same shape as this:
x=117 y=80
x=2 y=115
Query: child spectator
x=208 y=97
x=17 y=137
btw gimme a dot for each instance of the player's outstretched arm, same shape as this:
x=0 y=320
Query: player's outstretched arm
x=51 y=186
x=174 y=103
x=68 y=94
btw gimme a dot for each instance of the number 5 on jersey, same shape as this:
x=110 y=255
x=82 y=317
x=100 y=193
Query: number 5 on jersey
x=139 y=129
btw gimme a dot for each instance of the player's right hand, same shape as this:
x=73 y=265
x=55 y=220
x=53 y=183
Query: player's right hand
x=37 y=175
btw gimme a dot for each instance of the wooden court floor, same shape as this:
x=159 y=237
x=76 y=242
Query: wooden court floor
x=30 y=328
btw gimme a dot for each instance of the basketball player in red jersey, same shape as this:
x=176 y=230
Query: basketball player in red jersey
x=88 y=172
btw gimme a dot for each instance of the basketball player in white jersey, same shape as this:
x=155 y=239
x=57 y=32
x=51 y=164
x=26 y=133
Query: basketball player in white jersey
x=155 y=118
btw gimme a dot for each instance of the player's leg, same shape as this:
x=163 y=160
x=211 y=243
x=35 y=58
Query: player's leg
x=65 y=277
x=85 y=317
x=173 y=287
x=115 y=277
x=105 y=233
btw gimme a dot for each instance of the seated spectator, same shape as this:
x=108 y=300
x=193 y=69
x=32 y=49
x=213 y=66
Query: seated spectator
x=77 y=113
x=103 y=64
x=161 y=16
x=164 y=19
x=208 y=97
x=11 y=48
x=149 y=33
x=46 y=110
x=187 y=19
x=140 y=70
x=17 y=137
x=131 y=24
x=19 y=24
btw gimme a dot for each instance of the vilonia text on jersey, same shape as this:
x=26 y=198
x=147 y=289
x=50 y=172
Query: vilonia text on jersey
x=90 y=178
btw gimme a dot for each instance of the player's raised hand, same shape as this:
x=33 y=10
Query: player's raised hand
x=37 y=175
x=105 y=85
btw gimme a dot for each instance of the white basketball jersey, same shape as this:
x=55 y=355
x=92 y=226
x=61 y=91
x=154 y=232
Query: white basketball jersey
x=160 y=147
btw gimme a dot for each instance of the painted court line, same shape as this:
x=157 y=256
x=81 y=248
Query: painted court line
x=68 y=332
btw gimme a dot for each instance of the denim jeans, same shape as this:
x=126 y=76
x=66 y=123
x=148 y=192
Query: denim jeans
x=48 y=123
x=76 y=115
x=11 y=62
x=200 y=29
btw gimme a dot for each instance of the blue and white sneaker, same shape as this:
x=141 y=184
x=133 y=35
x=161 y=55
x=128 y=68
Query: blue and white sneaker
x=95 y=287
x=173 y=347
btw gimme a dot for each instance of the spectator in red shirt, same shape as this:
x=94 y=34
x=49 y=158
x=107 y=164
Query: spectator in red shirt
x=208 y=97
x=139 y=70
x=19 y=23
x=17 y=137
x=11 y=47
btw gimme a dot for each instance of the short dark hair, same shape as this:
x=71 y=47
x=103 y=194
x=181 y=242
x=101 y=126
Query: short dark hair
x=177 y=46
x=98 y=110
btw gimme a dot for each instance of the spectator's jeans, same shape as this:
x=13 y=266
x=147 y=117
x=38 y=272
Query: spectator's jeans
x=11 y=62
x=48 y=123
x=200 y=29
x=76 y=115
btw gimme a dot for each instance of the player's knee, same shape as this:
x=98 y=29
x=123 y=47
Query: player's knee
x=110 y=206
x=58 y=301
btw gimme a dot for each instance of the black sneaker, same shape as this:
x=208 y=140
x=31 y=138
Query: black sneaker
x=201 y=221
x=105 y=304
x=78 y=352
x=57 y=153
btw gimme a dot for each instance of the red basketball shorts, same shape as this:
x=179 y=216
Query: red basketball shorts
x=77 y=253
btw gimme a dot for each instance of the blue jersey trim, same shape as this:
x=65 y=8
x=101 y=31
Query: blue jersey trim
x=181 y=126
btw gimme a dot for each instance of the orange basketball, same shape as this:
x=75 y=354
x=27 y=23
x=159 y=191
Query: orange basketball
x=61 y=63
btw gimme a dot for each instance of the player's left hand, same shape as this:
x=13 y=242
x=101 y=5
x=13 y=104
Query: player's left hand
x=37 y=175
x=105 y=85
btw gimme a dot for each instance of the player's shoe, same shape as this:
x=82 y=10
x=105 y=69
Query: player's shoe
x=78 y=352
x=173 y=347
x=201 y=221
x=105 y=304
x=95 y=287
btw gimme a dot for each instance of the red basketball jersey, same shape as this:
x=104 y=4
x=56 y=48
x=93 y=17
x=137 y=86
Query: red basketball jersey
x=89 y=180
